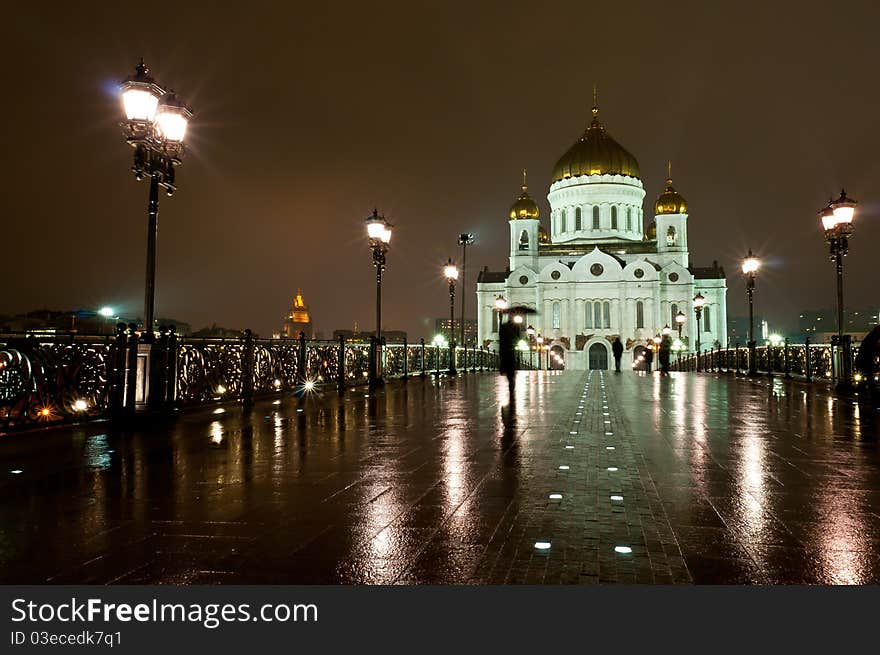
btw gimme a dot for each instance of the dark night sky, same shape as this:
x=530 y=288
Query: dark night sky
x=308 y=116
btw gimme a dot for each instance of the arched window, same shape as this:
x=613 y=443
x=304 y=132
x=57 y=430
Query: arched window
x=614 y=218
x=640 y=314
x=629 y=219
x=597 y=315
x=674 y=311
x=556 y=316
x=707 y=318
x=670 y=236
x=588 y=315
x=577 y=219
x=494 y=320
x=562 y=221
x=606 y=314
x=524 y=240
x=596 y=217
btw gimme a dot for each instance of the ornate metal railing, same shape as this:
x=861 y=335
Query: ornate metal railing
x=47 y=379
x=52 y=379
x=813 y=362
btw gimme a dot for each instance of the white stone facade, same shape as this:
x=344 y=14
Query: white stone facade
x=599 y=277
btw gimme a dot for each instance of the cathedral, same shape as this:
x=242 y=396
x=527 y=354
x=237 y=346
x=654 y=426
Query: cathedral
x=599 y=272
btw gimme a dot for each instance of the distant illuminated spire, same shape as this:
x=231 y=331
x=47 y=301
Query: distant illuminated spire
x=595 y=100
x=524 y=185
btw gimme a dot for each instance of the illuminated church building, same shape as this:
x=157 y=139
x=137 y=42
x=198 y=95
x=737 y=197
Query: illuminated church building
x=601 y=272
x=298 y=320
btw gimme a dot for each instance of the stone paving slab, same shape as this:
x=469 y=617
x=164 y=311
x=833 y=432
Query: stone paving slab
x=630 y=478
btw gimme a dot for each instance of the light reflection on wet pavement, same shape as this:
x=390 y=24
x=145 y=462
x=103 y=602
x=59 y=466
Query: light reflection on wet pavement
x=591 y=478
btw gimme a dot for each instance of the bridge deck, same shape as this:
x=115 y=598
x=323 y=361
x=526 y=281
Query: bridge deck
x=720 y=480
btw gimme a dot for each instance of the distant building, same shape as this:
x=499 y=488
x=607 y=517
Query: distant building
x=356 y=336
x=441 y=326
x=298 y=320
x=821 y=324
x=80 y=321
x=217 y=332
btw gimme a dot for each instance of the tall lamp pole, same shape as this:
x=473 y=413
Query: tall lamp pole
x=699 y=301
x=837 y=221
x=465 y=239
x=680 y=320
x=451 y=273
x=540 y=341
x=750 y=267
x=379 y=236
x=155 y=126
x=501 y=306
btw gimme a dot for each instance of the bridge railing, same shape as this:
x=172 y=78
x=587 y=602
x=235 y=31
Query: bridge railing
x=55 y=378
x=812 y=362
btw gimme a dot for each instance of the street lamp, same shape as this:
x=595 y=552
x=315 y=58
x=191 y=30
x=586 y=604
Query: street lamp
x=540 y=341
x=666 y=330
x=500 y=305
x=750 y=267
x=837 y=220
x=155 y=126
x=451 y=273
x=379 y=236
x=699 y=301
x=680 y=320
x=465 y=239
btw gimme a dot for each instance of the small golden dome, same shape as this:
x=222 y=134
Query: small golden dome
x=651 y=232
x=596 y=153
x=524 y=207
x=670 y=201
x=543 y=237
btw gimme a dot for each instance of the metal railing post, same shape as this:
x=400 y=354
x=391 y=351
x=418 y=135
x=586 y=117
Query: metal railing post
x=808 y=365
x=340 y=368
x=786 y=361
x=301 y=360
x=405 y=360
x=422 y=344
x=247 y=370
x=373 y=362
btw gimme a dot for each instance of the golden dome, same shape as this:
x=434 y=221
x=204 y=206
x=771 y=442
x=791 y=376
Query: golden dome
x=670 y=201
x=524 y=207
x=596 y=153
x=543 y=237
x=651 y=232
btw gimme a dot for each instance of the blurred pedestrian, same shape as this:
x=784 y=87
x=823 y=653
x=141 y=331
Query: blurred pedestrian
x=649 y=358
x=617 y=351
x=508 y=337
x=665 y=351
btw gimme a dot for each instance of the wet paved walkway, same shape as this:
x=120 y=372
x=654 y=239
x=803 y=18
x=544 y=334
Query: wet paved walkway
x=628 y=478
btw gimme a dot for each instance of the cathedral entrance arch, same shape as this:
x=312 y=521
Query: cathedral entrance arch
x=598 y=355
x=639 y=351
x=557 y=359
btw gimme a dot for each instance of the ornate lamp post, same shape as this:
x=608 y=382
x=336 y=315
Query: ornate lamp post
x=500 y=306
x=680 y=320
x=837 y=220
x=750 y=267
x=155 y=126
x=465 y=239
x=379 y=235
x=699 y=301
x=451 y=273
x=540 y=341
